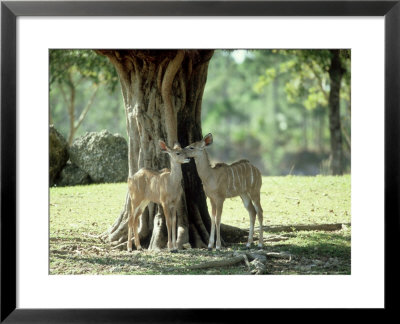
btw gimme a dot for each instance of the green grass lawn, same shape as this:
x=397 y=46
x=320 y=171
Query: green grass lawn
x=78 y=214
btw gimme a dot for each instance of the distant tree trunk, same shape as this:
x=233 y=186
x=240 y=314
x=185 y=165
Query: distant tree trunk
x=305 y=131
x=70 y=102
x=336 y=72
x=321 y=127
x=162 y=91
x=276 y=104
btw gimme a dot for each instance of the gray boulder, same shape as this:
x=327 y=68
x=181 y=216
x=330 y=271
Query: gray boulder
x=58 y=154
x=72 y=175
x=102 y=155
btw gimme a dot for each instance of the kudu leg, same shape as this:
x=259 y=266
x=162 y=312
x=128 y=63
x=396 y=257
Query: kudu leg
x=135 y=228
x=259 y=210
x=252 y=214
x=173 y=223
x=133 y=219
x=167 y=215
x=218 y=224
x=212 y=231
x=130 y=228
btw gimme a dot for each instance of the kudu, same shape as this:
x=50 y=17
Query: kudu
x=161 y=187
x=223 y=181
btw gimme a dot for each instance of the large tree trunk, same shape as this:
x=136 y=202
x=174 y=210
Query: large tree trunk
x=335 y=74
x=162 y=92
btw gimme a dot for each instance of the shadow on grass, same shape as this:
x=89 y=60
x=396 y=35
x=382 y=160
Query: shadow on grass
x=312 y=253
x=143 y=262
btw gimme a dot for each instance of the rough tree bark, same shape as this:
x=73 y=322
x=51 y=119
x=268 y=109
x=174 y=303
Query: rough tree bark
x=336 y=72
x=162 y=91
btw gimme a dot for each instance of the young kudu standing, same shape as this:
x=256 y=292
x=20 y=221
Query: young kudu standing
x=161 y=187
x=223 y=181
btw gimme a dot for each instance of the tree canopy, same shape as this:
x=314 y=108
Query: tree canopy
x=76 y=78
x=270 y=106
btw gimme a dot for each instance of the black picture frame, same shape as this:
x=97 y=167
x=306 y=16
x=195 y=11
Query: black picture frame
x=10 y=10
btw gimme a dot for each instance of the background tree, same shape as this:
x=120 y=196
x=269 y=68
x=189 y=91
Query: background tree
x=318 y=76
x=281 y=125
x=76 y=77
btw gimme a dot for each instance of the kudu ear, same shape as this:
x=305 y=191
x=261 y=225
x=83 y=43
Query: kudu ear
x=177 y=146
x=208 y=139
x=164 y=148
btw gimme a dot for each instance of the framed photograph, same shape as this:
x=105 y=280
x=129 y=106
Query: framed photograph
x=37 y=284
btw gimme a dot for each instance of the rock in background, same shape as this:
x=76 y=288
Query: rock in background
x=102 y=155
x=72 y=175
x=58 y=154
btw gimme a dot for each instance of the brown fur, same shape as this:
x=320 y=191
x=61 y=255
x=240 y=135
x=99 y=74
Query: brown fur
x=160 y=187
x=222 y=164
x=222 y=181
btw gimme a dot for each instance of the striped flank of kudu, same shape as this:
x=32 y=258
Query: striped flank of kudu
x=223 y=181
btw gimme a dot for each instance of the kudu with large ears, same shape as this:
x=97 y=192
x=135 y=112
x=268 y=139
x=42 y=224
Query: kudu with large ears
x=223 y=181
x=160 y=187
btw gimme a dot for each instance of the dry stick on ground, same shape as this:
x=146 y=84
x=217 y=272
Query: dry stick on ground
x=276 y=238
x=314 y=227
x=216 y=264
x=219 y=263
x=122 y=246
x=260 y=254
x=258 y=258
x=282 y=255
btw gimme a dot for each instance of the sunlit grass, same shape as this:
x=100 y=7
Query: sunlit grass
x=296 y=200
x=78 y=214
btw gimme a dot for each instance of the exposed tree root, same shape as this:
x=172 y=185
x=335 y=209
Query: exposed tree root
x=259 y=267
x=256 y=261
x=276 y=255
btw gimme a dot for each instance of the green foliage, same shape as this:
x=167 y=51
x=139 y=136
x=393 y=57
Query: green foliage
x=107 y=112
x=70 y=66
x=269 y=106
x=263 y=105
x=78 y=214
x=79 y=78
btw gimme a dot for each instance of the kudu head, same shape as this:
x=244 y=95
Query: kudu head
x=177 y=154
x=196 y=148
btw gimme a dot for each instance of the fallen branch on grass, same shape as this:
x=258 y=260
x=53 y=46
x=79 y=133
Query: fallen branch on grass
x=120 y=246
x=282 y=255
x=259 y=267
x=275 y=238
x=220 y=263
x=256 y=266
x=260 y=254
x=314 y=227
